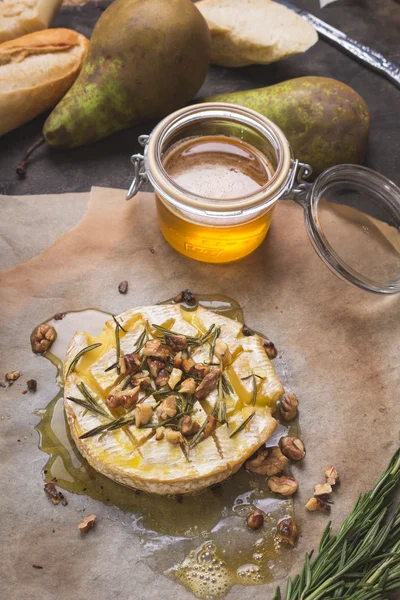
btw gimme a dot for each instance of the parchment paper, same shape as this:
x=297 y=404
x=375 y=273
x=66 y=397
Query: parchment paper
x=340 y=346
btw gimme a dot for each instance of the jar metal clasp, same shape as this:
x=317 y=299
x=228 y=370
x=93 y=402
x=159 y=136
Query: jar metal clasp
x=298 y=186
x=139 y=171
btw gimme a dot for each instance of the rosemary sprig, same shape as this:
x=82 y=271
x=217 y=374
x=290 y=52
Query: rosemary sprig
x=93 y=408
x=254 y=384
x=73 y=362
x=196 y=438
x=242 y=425
x=216 y=335
x=219 y=410
x=191 y=340
x=90 y=398
x=162 y=423
x=111 y=367
x=118 y=326
x=360 y=562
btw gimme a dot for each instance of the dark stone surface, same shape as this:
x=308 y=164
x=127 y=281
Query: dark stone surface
x=107 y=162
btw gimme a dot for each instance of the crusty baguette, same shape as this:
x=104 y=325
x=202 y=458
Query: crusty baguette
x=19 y=17
x=245 y=32
x=36 y=70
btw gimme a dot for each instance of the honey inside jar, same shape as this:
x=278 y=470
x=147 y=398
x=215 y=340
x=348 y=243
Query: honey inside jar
x=215 y=167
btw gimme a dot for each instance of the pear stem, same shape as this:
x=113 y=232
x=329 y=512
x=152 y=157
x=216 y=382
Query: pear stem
x=22 y=166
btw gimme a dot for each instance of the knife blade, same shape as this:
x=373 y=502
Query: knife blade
x=363 y=54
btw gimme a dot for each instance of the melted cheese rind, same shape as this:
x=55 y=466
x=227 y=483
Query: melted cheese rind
x=133 y=456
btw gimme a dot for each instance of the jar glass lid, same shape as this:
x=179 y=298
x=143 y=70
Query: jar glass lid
x=353 y=219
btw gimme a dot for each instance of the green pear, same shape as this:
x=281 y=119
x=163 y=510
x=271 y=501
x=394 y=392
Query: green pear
x=146 y=59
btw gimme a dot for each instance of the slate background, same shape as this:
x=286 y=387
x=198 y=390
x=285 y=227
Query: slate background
x=375 y=23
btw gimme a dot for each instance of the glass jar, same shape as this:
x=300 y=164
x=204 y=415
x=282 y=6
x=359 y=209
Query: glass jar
x=352 y=214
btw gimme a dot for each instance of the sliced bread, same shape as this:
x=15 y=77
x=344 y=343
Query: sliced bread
x=18 y=17
x=36 y=70
x=245 y=32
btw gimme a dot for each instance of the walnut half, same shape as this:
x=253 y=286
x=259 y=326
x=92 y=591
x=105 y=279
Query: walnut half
x=332 y=476
x=285 y=486
x=286 y=531
x=269 y=461
x=42 y=338
x=318 y=504
x=293 y=448
x=288 y=409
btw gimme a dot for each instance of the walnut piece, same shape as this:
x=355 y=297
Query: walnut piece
x=222 y=352
x=42 y=338
x=155 y=366
x=176 y=342
x=322 y=489
x=87 y=523
x=286 y=531
x=286 y=486
x=174 y=437
x=255 y=520
x=55 y=496
x=174 y=378
x=211 y=426
x=269 y=461
x=124 y=398
x=185 y=296
x=167 y=408
x=201 y=370
x=142 y=379
x=132 y=362
x=208 y=384
x=32 y=385
x=160 y=433
x=13 y=376
x=318 y=504
x=123 y=287
x=293 y=448
x=162 y=378
x=143 y=414
x=247 y=331
x=187 y=364
x=270 y=349
x=332 y=476
x=288 y=409
x=189 y=426
x=178 y=359
x=188 y=386
x=156 y=349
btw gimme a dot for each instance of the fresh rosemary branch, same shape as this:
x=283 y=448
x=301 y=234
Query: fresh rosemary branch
x=242 y=425
x=73 y=362
x=360 y=562
x=96 y=409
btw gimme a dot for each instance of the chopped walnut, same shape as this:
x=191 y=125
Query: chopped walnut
x=167 y=408
x=132 y=362
x=185 y=296
x=123 y=287
x=176 y=342
x=174 y=378
x=211 y=426
x=201 y=370
x=160 y=433
x=270 y=349
x=42 y=338
x=208 y=384
x=124 y=398
x=174 y=437
x=288 y=409
x=142 y=379
x=188 y=386
x=32 y=385
x=178 y=359
x=269 y=461
x=332 y=476
x=247 y=331
x=55 y=496
x=59 y=316
x=255 y=520
x=187 y=364
x=155 y=366
x=162 y=378
x=293 y=448
x=189 y=426
x=13 y=376
x=286 y=486
x=286 y=531
x=318 y=504
x=222 y=352
x=322 y=489
x=143 y=414
x=156 y=349
x=87 y=523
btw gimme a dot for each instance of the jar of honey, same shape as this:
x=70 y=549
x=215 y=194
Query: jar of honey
x=218 y=171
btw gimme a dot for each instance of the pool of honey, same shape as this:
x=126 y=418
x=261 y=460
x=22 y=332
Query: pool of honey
x=220 y=168
x=200 y=541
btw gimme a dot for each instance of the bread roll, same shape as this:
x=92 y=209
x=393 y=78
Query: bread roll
x=245 y=32
x=18 y=17
x=36 y=70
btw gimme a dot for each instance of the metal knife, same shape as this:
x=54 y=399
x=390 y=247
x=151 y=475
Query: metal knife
x=364 y=54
